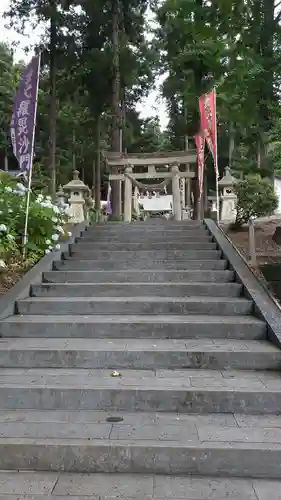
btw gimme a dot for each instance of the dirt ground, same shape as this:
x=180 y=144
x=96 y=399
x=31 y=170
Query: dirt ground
x=266 y=248
x=8 y=278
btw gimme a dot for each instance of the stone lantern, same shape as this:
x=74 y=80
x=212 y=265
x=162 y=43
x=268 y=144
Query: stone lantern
x=77 y=191
x=228 y=197
x=60 y=197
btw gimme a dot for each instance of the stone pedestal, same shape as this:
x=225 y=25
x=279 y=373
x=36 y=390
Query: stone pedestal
x=176 y=192
x=128 y=195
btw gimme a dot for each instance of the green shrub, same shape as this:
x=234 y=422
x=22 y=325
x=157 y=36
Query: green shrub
x=256 y=198
x=45 y=224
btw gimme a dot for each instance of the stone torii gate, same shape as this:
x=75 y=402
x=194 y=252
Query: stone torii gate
x=173 y=160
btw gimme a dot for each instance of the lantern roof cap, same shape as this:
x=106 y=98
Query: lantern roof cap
x=75 y=184
x=227 y=179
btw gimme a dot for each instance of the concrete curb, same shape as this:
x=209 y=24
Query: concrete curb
x=21 y=289
x=264 y=305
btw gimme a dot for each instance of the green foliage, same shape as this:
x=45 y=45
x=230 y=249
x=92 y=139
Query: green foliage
x=234 y=45
x=256 y=198
x=83 y=53
x=8 y=80
x=45 y=225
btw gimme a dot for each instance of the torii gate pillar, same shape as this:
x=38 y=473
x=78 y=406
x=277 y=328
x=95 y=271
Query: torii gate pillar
x=176 y=192
x=128 y=195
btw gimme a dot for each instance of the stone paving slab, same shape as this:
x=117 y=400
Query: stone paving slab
x=186 y=345
x=27 y=483
x=188 y=391
x=143 y=418
x=71 y=377
x=203 y=429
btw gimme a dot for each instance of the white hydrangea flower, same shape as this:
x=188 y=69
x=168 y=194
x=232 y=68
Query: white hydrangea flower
x=47 y=250
x=2 y=263
x=56 y=209
x=48 y=198
x=21 y=187
x=10 y=211
x=45 y=204
x=55 y=237
x=8 y=189
x=3 y=228
x=48 y=242
x=54 y=219
x=57 y=247
x=60 y=229
x=69 y=233
x=10 y=237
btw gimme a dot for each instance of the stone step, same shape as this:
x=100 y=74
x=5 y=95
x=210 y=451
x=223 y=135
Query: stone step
x=151 y=221
x=157 y=231
x=59 y=485
x=183 y=391
x=146 y=354
x=157 y=327
x=139 y=256
x=140 y=276
x=152 y=236
x=146 y=228
x=157 y=265
x=135 y=289
x=187 y=224
x=87 y=246
x=135 y=305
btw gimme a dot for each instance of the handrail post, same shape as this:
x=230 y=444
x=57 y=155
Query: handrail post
x=252 y=242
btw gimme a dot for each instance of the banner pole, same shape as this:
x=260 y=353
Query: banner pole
x=31 y=162
x=216 y=157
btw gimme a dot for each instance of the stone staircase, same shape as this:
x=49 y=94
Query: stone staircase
x=197 y=391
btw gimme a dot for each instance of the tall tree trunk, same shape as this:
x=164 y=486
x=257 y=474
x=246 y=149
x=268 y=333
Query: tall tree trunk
x=231 y=145
x=115 y=131
x=97 y=179
x=53 y=104
x=267 y=96
x=73 y=149
x=6 y=163
x=258 y=153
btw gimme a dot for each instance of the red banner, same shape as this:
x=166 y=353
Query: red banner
x=207 y=105
x=200 y=146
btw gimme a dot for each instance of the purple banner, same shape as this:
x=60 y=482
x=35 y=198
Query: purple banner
x=24 y=115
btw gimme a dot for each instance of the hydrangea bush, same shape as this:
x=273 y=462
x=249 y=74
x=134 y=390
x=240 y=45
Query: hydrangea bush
x=45 y=224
